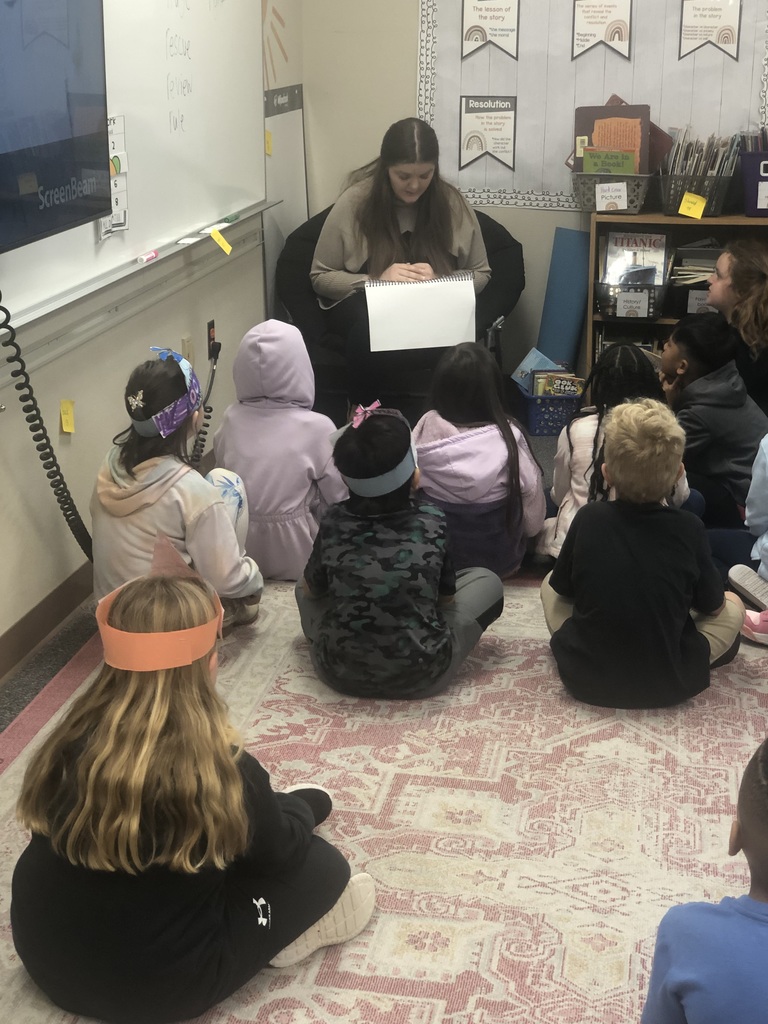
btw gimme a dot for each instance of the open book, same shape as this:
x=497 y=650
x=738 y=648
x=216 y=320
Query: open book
x=421 y=314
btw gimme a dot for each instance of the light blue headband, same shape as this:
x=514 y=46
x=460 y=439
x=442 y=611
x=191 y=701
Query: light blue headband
x=375 y=486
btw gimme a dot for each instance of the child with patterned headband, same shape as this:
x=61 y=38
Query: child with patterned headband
x=147 y=485
x=384 y=611
x=163 y=871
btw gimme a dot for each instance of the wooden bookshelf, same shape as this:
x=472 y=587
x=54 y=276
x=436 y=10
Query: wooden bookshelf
x=679 y=230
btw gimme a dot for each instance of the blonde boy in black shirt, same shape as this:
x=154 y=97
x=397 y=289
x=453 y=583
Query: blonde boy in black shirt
x=635 y=606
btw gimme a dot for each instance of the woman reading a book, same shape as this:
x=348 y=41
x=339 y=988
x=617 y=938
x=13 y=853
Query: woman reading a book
x=738 y=288
x=396 y=221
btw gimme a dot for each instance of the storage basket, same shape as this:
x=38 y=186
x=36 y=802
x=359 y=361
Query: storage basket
x=754 y=170
x=548 y=414
x=713 y=187
x=584 y=189
x=606 y=297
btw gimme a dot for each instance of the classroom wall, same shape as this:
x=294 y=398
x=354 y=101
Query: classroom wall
x=361 y=66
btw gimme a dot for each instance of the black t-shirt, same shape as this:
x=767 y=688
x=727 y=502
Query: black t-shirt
x=160 y=945
x=634 y=572
x=754 y=371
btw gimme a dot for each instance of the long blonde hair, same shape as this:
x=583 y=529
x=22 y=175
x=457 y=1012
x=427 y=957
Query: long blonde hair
x=749 y=280
x=142 y=770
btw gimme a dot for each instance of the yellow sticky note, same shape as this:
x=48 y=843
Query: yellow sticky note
x=268 y=143
x=67 y=409
x=219 y=239
x=692 y=205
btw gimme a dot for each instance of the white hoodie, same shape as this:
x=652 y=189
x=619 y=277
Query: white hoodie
x=170 y=497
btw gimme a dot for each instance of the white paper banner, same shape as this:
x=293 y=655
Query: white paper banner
x=710 y=21
x=607 y=23
x=487 y=127
x=490 y=22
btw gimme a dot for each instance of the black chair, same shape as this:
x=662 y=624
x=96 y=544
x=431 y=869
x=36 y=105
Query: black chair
x=326 y=349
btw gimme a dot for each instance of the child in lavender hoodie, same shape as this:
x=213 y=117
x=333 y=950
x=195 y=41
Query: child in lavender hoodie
x=273 y=440
x=476 y=464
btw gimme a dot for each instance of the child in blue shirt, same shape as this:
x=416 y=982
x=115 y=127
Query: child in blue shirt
x=710 y=961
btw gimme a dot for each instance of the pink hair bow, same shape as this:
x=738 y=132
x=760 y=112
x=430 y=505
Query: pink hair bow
x=362 y=412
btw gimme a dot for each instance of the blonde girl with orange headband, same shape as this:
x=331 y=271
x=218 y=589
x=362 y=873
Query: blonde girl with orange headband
x=163 y=871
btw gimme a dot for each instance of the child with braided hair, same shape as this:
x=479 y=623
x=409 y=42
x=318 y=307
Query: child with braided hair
x=709 y=964
x=622 y=373
x=163 y=870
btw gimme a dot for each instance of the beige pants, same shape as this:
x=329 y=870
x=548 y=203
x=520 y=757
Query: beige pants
x=720 y=630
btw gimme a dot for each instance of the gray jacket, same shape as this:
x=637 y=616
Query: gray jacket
x=723 y=429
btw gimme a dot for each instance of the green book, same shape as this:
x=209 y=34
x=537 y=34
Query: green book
x=609 y=161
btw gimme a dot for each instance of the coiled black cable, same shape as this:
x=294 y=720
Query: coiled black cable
x=199 y=446
x=34 y=418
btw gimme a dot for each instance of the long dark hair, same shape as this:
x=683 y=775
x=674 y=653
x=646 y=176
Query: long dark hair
x=621 y=373
x=410 y=141
x=468 y=390
x=160 y=382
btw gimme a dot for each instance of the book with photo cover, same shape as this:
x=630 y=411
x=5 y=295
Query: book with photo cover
x=634 y=259
x=618 y=127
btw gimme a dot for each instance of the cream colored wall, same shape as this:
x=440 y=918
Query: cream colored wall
x=37 y=551
x=360 y=74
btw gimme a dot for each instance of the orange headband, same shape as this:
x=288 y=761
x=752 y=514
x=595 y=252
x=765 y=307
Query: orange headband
x=150 y=652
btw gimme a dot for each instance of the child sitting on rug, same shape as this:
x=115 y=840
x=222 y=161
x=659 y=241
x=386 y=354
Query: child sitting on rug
x=280 y=448
x=723 y=426
x=709 y=964
x=476 y=465
x=634 y=604
x=384 y=611
x=147 y=485
x=163 y=871
x=621 y=373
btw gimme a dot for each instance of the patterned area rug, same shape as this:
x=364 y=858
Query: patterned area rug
x=524 y=846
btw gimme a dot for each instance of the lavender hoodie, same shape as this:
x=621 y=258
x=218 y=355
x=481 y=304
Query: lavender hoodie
x=279 y=447
x=464 y=471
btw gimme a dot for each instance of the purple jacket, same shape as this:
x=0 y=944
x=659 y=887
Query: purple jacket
x=280 y=448
x=464 y=471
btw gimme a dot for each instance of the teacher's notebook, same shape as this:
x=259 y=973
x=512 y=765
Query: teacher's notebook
x=421 y=314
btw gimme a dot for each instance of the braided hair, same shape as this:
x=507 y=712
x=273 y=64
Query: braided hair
x=622 y=372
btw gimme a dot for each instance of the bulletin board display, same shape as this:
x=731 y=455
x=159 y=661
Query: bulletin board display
x=185 y=103
x=500 y=81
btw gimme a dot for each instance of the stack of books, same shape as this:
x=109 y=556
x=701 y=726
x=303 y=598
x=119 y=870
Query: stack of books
x=560 y=383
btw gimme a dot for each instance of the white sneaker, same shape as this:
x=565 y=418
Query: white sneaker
x=747 y=582
x=347 y=917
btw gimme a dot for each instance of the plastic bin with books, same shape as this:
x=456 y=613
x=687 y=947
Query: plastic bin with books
x=550 y=393
x=634 y=271
x=699 y=168
x=616 y=151
x=694 y=264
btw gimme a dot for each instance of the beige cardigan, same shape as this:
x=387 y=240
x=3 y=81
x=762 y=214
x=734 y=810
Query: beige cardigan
x=341 y=250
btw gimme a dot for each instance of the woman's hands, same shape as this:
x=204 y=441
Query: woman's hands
x=408 y=272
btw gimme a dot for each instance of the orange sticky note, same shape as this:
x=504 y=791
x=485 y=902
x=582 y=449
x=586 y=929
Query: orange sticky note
x=220 y=240
x=67 y=410
x=692 y=205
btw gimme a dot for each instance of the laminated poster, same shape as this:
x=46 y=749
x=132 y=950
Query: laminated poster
x=487 y=126
x=607 y=23
x=710 y=21
x=487 y=22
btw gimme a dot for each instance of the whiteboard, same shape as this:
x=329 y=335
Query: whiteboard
x=187 y=77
